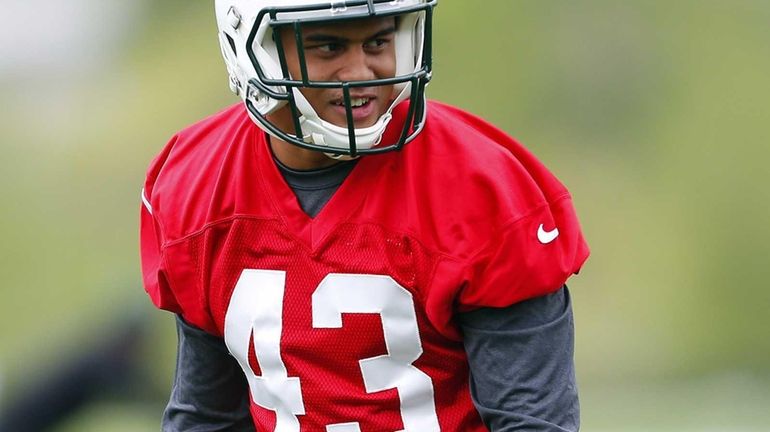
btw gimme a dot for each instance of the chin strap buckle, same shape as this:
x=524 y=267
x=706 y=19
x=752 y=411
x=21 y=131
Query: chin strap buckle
x=317 y=138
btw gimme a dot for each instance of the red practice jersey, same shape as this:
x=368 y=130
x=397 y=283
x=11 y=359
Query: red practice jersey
x=344 y=322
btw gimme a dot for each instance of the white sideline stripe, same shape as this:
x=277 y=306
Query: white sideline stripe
x=146 y=202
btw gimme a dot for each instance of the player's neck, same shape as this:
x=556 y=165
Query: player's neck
x=298 y=158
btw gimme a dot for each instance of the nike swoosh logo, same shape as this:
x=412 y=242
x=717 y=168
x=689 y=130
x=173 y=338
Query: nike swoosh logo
x=546 y=237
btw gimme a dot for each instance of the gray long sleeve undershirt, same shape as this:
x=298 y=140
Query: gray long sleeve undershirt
x=521 y=357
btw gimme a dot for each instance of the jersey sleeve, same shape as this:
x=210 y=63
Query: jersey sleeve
x=153 y=268
x=151 y=239
x=530 y=257
x=167 y=274
x=536 y=243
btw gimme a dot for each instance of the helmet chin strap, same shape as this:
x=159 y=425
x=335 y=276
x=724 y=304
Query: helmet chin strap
x=320 y=132
x=323 y=133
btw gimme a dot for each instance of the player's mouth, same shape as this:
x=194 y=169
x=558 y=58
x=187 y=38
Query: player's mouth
x=362 y=108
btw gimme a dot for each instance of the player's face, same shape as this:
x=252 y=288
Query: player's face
x=349 y=51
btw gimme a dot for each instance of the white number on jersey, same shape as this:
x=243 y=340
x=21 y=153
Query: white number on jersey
x=256 y=309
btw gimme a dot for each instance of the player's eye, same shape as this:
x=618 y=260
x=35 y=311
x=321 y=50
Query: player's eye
x=327 y=48
x=377 y=43
x=331 y=47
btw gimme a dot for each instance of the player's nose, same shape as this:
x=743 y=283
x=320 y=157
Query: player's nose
x=358 y=66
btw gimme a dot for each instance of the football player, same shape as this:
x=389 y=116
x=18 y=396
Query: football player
x=344 y=255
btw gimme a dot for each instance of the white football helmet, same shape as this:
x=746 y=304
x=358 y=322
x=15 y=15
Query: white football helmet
x=258 y=74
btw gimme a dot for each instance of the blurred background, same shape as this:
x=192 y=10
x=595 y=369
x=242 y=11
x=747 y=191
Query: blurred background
x=654 y=113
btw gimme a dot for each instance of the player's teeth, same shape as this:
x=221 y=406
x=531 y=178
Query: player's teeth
x=354 y=102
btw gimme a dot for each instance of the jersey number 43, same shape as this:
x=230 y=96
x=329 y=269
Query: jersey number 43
x=256 y=313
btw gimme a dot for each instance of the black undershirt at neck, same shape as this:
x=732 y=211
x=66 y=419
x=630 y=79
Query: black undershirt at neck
x=314 y=188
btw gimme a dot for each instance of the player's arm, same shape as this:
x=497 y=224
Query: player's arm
x=209 y=392
x=521 y=364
